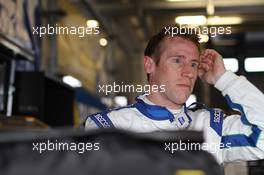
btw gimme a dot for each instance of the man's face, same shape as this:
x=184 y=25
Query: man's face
x=177 y=69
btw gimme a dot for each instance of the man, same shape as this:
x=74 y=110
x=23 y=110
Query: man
x=176 y=63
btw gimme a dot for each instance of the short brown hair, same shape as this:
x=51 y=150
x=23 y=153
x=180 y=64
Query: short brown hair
x=153 y=46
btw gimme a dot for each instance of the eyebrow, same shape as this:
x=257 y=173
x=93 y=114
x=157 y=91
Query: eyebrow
x=194 y=60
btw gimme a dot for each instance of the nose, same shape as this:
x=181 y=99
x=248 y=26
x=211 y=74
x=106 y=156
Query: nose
x=188 y=71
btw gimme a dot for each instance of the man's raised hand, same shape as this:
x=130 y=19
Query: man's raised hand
x=211 y=66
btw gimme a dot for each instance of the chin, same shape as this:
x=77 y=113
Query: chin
x=183 y=99
x=179 y=100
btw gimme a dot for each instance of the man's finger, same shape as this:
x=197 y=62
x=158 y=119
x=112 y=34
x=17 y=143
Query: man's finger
x=205 y=67
x=207 y=61
x=212 y=54
x=201 y=72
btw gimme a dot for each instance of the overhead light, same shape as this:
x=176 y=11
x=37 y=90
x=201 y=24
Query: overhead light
x=254 y=64
x=203 y=38
x=191 y=20
x=202 y=20
x=70 y=80
x=192 y=98
x=231 y=64
x=210 y=8
x=174 y=0
x=103 y=42
x=217 y=20
x=92 y=23
x=120 y=100
x=179 y=0
x=107 y=101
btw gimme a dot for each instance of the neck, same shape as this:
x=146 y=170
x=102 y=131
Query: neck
x=162 y=100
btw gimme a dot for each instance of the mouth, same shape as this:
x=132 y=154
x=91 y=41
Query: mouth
x=184 y=85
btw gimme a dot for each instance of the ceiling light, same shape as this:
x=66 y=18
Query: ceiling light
x=191 y=20
x=107 y=101
x=216 y=20
x=70 y=80
x=92 y=23
x=254 y=64
x=180 y=0
x=231 y=64
x=210 y=8
x=203 y=38
x=120 y=100
x=103 y=42
x=202 y=20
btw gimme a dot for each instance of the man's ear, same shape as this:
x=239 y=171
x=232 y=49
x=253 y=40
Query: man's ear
x=149 y=64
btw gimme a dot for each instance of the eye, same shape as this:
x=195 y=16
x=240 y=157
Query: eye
x=178 y=59
x=194 y=65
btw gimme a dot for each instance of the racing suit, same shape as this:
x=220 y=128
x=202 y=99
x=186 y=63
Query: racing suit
x=241 y=136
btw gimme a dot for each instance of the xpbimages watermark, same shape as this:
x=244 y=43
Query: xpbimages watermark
x=80 y=31
x=80 y=147
x=116 y=88
x=202 y=30
x=190 y=146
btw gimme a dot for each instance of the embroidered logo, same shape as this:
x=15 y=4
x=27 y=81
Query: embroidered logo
x=217 y=114
x=181 y=120
x=100 y=119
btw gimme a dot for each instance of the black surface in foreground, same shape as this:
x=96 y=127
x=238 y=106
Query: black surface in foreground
x=117 y=152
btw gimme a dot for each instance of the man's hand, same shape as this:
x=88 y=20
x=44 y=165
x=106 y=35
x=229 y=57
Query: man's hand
x=211 y=66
